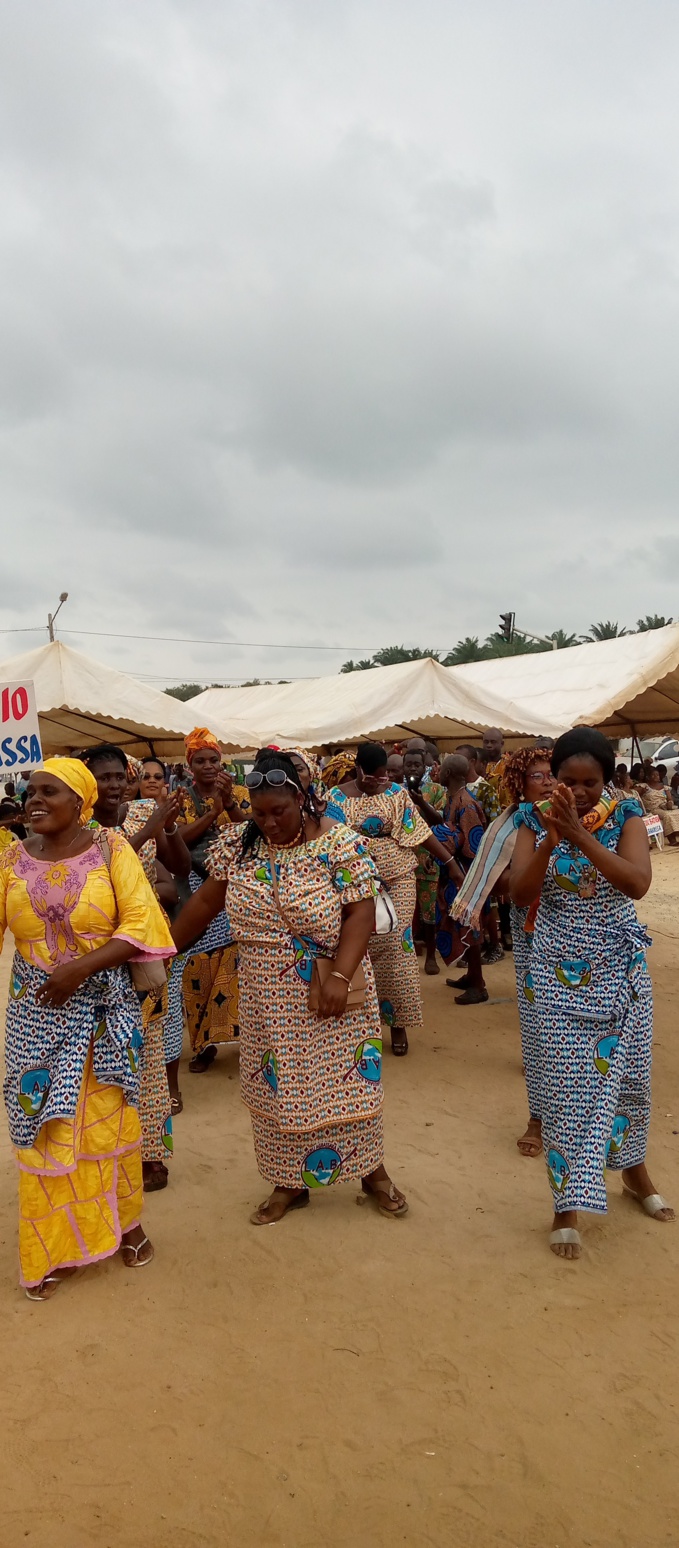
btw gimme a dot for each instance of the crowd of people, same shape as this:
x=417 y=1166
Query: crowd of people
x=285 y=908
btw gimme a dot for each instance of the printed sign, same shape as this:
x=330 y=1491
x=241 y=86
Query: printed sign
x=19 y=729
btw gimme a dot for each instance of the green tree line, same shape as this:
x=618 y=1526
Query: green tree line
x=472 y=649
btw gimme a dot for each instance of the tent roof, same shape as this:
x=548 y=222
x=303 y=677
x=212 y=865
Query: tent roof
x=80 y=702
x=622 y=685
x=416 y=696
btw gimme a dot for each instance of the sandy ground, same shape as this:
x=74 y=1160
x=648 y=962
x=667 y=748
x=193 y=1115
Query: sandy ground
x=344 y=1379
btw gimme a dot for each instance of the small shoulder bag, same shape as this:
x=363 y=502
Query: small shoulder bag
x=323 y=967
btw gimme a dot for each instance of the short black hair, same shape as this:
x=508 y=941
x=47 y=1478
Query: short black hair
x=584 y=742
x=102 y=754
x=157 y=761
x=371 y=756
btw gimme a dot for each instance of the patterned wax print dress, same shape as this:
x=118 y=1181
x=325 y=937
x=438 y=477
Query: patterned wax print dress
x=522 y=946
x=313 y=1087
x=72 y=1085
x=155 y=1108
x=210 y=977
x=427 y=873
x=393 y=830
x=594 y=1006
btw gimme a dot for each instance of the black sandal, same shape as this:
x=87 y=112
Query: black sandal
x=202 y=1061
x=399 y=1049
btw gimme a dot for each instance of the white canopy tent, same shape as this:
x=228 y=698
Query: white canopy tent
x=416 y=697
x=625 y=686
x=81 y=702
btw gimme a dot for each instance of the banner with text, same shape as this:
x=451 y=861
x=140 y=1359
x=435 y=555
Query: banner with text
x=19 y=729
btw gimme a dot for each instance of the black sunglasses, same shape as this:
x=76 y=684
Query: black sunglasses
x=275 y=777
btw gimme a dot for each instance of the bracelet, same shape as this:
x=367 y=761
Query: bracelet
x=343 y=976
x=171 y=831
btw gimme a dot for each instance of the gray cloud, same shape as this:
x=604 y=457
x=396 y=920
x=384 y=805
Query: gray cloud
x=336 y=325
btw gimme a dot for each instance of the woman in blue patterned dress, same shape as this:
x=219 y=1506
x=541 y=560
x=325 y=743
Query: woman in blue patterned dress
x=587 y=857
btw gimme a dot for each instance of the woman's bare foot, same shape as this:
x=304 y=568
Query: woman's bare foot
x=50 y=1284
x=278 y=1204
x=136 y=1248
x=530 y=1143
x=384 y=1191
x=568 y=1221
x=637 y=1181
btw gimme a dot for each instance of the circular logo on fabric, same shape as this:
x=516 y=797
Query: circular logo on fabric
x=387 y=1012
x=407 y=942
x=368 y=1058
x=16 y=987
x=34 y=1089
x=373 y=826
x=134 y=1051
x=603 y=1053
x=166 y=1135
x=558 y=1170
x=269 y=1068
x=619 y=1133
x=576 y=874
x=528 y=988
x=321 y=1167
x=574 y=975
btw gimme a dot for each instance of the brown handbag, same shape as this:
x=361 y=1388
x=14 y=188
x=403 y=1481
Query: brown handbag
x=322 y=966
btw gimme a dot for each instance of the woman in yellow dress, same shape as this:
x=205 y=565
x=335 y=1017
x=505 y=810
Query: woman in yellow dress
x=74 y=1031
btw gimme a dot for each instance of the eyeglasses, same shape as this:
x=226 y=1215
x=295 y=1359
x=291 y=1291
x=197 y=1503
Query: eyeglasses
x=275 y=777
x=539 y=777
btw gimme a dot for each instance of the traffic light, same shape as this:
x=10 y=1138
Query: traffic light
x=506 y=628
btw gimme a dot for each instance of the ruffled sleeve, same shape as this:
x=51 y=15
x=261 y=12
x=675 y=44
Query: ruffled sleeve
x=409 y=830
x=222 y=855
x=335 y=804
x=353 y=872
x=140 y=917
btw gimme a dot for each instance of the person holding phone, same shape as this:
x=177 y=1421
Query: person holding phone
x=585 y=854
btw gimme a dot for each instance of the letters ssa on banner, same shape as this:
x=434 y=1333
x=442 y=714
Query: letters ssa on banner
x=19 y=729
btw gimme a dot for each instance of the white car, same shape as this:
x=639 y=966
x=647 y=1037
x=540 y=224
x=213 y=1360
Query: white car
x=668 y=753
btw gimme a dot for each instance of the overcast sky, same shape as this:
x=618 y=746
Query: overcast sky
x=336 y=322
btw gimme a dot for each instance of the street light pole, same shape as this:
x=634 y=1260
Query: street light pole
x=51 y=616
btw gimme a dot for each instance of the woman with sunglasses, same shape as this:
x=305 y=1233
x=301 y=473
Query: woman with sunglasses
x=296 y=887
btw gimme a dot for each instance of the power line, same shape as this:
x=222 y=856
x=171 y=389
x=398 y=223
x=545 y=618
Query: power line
x=178 y=639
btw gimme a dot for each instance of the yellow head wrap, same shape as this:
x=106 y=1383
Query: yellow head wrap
x=73 y=773
x=199 y=738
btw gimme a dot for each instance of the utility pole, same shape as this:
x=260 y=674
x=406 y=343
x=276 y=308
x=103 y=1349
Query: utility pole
x=51 y=616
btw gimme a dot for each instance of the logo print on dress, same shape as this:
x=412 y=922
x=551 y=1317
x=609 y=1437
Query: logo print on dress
x=577 y=875
x=387 y=1012
x=558 y=1170
x=619 y=1133
x=528 y=988
x=34 y=1089
x=603 y=1052
x=166 y=1135
x=269 y=1068
x=321 y=1167
x=16 y=987
x=574 y=975
x=407 y=942
x=372 y=826
x=134 y=1051
x=367 y=1059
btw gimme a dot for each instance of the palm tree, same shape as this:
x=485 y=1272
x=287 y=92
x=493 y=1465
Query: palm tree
x=391 y=655
x=563 y=640
x=652 y=621
x=467 y=649
x=496 y=646
x=357 y=666
x=605 y=631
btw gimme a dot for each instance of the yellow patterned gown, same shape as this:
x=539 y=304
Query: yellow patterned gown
x=80 y=1180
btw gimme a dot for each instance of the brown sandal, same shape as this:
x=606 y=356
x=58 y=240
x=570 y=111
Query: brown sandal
x=472 y=997
x=299 y=1201
x=202 y=1061
x=156 y=1177
x=372 y=1190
